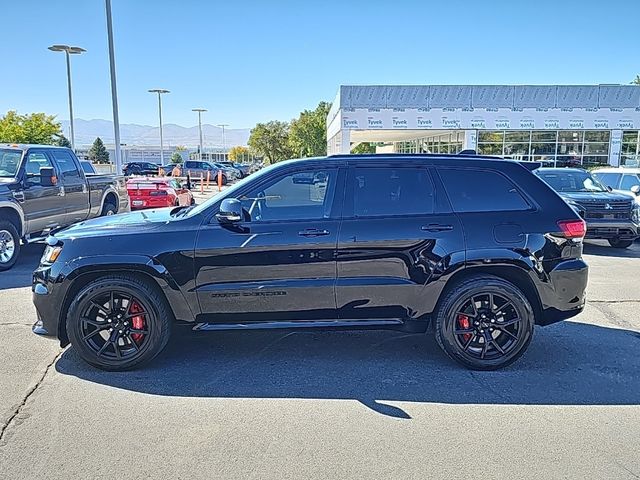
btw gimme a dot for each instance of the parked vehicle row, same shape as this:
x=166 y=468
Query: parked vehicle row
x=43 y=188
x=477 y=249
x=230 y=171
x=610 y=216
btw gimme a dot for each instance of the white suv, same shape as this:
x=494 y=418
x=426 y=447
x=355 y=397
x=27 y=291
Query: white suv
x=622 y=179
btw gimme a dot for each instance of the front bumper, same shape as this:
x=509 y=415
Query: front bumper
x=608 y=229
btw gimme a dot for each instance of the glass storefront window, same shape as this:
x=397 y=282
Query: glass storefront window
x=570 y=136
x=594 y=160
x=544 y=136
x=517 y=136
x=630 y=152
x=596 y=148
x=490 y=136
x=490 y=148
x=569 y=149
x=596 y=136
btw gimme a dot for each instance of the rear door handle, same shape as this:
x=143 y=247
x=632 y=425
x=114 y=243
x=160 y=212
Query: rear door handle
x=313 y=232
x=436 y=227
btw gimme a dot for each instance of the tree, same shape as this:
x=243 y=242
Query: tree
x=365 y=147
x=238 y=154
x=38 y=128
x=271 y=140
x=98 y=153
x=176 y=157
x=636 y=81
x=63 y=141
x=308 y=133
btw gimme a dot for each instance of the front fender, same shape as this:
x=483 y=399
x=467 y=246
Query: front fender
x=145 y=265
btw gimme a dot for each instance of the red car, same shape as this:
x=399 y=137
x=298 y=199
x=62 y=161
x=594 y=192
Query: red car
x=157 y=193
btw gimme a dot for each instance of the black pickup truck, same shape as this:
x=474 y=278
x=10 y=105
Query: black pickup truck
x=43 y=188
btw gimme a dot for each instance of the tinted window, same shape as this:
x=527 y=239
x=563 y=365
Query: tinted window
x=65 y=162
x=296 y=196
x=481 y=191
x=629 y=181
x=35 y=161
x=562 y=180
x=87 y=167
x=9 y=161
x=391 y=191
x=609 y=179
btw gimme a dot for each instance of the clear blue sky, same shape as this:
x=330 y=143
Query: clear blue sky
x=251 y=61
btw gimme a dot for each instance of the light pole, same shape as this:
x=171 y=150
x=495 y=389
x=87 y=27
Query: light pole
x=160 y=91
x=224 y=143
x=69 y=51
x=114 y=90
x=200 y=110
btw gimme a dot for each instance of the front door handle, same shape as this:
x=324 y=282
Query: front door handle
x=436 y=227
x=313 y=232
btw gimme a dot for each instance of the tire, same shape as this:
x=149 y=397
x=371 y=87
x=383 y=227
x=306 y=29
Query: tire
x=97 y=347
x=108 y=209
x=617 y=243
x=509 y=326
x=193 y=201
x=9 y=245
x=224 y=179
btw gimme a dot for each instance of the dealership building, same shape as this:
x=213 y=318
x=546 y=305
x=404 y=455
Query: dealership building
x=556 y=124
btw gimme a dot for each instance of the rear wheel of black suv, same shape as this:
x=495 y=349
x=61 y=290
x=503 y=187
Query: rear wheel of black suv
x=617 y=243
x=119 y=322
x=484 y=323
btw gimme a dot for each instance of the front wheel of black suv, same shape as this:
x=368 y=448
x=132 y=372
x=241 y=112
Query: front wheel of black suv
x=118 y=322
x=617 y=243
x=484 y=323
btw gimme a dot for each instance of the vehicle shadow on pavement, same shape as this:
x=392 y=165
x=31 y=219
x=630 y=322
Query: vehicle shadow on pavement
x=20 y=274
x=567 y=364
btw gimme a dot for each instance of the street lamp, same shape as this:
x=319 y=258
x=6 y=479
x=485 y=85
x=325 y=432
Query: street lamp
x=200 y=110
x=114 y=89
x=69 y=51
x=160 y=91
x=224 y=143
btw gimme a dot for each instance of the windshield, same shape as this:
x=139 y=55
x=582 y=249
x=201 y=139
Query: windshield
x=571 y=181
x=9 y=162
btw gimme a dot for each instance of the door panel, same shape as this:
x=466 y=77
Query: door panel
x=266 y=271
x=76 y=196
x=279 y=263
x=394 y=247
x=389 y=267
x=44 y=207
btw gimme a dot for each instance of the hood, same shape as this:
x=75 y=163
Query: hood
x=140 y=221
x=587 y=197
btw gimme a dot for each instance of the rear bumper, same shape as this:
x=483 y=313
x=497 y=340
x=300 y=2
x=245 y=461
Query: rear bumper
x=603 y=229
x=564 y=293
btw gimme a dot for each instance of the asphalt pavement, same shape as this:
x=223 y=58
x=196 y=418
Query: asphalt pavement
x=375 y=404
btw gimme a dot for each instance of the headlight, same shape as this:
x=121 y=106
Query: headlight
x=50 y=254
x=635 y=214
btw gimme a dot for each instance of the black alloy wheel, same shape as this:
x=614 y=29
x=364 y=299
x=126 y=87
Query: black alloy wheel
x=485 y=323
x=118 y=322
x=617 y=243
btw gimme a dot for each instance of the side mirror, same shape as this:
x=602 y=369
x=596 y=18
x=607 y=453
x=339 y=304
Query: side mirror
x=609 y=188
x=230 y=211
x=636 y=189
x=48 y=177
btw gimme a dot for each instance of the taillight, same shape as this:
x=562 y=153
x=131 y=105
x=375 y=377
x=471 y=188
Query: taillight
x=573 y=228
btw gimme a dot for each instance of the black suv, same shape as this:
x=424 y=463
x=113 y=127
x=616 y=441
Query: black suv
x=476 y=249
x=140 y=168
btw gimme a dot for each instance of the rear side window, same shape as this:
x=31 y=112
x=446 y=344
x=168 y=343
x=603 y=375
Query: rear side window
x=65 y=162
x=481 y=191
x=628 y=181
x=392 y=191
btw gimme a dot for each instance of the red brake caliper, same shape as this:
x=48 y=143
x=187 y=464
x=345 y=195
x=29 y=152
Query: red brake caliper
x=137 y=322
x=463 y=322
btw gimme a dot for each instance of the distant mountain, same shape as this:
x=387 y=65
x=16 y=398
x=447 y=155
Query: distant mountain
x=86 y=132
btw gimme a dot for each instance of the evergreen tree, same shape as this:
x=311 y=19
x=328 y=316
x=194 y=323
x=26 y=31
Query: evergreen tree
x=98 y=153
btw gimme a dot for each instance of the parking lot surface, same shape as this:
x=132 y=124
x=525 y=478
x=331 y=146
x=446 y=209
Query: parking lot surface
x=373 y=404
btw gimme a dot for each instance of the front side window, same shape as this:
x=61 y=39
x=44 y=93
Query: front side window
x=35 y=161
x=65 y=162
x=392 y=191
x=628 y=181
x=304 y=195
x=481 y=191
